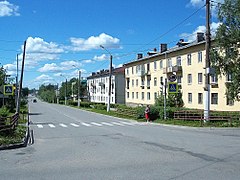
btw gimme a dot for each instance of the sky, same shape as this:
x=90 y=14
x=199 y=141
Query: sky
x=63 y=37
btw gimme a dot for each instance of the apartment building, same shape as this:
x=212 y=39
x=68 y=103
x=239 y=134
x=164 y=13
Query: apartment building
x=98 y=86
x=145 y=75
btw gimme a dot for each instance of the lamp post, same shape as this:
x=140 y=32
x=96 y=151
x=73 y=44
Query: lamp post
x=110 y=78
x=65 y=90
x=79 y=83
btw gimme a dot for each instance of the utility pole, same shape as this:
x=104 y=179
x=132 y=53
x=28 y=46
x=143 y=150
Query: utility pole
x=21 y=79
x=207 y=65
x=165 y=99
x=79 y=84
x=16 y=90
x=110 y=79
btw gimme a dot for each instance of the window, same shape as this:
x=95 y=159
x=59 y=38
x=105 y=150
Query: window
x=148 y=67
x=169 y=63
x=127 y=71
x=137 y=82
x=128 y=95
x=229 y=77
x=161 y=64
x=132 y=70
x=179 y=79
x=142 y=95
x=199 y=78
x=155 y=81
x=161 y=80
x=229 y=102
x=214 y=78
x=189 y=98
x=132 y=83
x=132 y=95
x=155 y=95
x=189 y=59
x=200 y=56
x=189 y=78
x=148 y=96
x=136 y=95
x=200 y=98
x=128 y=82
x=155 y=65
x=214 y=98
x=179 y=61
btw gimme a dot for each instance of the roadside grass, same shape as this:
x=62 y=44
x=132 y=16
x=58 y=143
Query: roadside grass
x=13 y=137
x=168 y=121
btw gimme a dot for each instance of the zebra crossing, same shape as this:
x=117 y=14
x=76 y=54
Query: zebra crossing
x=86 y=124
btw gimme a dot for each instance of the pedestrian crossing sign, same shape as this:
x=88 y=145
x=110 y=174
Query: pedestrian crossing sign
x=8 y=90
x=172 y=87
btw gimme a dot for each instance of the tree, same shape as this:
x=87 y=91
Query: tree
x=225 y=54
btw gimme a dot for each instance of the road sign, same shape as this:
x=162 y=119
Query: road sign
x=172 y=88
x=8 y=89
x=172 y=77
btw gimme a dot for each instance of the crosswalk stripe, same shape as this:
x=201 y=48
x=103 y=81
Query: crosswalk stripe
x=74 y=125
x=85 y=124
x=51 y=126
x=93 y=123
x=39 y=126
x=116 y=123
x=127 y=123
x=108 y=124
x=63 y=125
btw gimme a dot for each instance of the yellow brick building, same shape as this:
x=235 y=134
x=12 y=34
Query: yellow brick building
x=144 y=76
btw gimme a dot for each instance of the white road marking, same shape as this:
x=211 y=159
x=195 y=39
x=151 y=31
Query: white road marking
x=63 y=125
x=96 y=124
x=39 y=126
x=116 y=123
x=108 y=124
x=74 y=125
x=51 y=126
x=127 y=123
x=85 y=124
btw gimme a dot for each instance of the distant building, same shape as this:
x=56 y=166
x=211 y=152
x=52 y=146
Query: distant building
x=145 y=75
x=98 y=85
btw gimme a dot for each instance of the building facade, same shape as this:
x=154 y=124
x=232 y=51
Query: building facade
x=144 y=77
x=98 y=86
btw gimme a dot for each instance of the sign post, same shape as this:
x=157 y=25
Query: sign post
x=172 y=88
x=8 y=90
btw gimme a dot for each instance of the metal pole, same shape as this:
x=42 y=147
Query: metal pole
x=165 y=98
x=110 y=84
x=79 y=83
x=57 y=94
x=66 y=92
x=16 y=90
x=207 y=64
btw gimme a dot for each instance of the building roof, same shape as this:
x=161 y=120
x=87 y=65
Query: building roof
x=103 y=73
x=174 y=49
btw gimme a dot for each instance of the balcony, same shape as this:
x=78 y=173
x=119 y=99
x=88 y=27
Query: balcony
x=101 y=84
x=177 y=68
x=172 y=69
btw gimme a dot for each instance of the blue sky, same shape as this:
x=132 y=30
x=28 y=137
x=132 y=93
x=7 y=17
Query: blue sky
x=65 y=36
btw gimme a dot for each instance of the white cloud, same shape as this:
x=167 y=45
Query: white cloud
x=192 y=37
x=10 y=68
x=43 y=77
x=88 y=61
x=50 y=68
x=70 y=64
x=101 y=58
x=196 y=3
x=8 y=9
x=94 y=42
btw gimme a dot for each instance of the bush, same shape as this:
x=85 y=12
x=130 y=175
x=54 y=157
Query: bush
x=4 y=112
x=86 y=104
x=100 y=106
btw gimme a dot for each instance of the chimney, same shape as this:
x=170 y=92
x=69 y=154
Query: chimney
x=163 y=48
x=93 y=73
x=182 y=43
x=139 y=56
x=200 y=37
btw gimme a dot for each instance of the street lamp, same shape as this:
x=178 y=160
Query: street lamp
x=79 y=83
x=65 y=89
x=110 y=78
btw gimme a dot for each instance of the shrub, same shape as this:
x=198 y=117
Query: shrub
x=4 y=112
x=100 y=106
x=85 y=104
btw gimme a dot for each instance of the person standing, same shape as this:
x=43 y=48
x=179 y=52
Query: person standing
x=147 y=113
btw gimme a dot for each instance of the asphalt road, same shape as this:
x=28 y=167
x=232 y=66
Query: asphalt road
x=75 y=144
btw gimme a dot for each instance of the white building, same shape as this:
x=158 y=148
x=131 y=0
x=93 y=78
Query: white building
x=98 y=86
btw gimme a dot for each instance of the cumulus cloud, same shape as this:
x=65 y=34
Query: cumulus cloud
x=94 y=42
x=42 y=78
x=8 y=9
x=63 y=66
x=190 y=37
x=101 y=58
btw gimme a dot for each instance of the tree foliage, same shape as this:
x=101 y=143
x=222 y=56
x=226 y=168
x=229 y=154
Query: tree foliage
x=225 y=56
